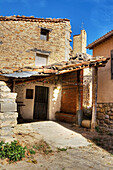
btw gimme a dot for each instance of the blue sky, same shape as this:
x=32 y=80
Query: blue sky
x=97 y=15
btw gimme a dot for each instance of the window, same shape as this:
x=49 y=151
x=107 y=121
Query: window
x=41 y=60
x=29 y=93
x=111 y=64
x=44 y=34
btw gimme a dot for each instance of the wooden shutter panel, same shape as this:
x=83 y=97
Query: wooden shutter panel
x=111 y=64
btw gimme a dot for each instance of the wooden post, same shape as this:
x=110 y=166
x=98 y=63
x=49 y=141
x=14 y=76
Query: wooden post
x=13 y=85
x=94 y=96
x=79 y=109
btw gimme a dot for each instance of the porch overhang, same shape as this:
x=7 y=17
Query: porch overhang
x=77 y=63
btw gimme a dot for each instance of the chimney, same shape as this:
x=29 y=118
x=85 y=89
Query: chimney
x=79 y=43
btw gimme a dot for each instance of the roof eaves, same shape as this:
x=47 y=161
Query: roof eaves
x=31 y=18
x=99 y=40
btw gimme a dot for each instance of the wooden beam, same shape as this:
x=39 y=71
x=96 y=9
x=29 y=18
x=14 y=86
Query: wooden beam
x=79 y=101
x=94 y=96
x=13 y=85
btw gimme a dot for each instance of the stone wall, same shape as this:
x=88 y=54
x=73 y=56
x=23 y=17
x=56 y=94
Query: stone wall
x=105 y=116
x=8 y=113
x=20 y=39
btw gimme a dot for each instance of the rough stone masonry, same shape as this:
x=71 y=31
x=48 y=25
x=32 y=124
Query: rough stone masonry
x=8 y=113
x=21 y=40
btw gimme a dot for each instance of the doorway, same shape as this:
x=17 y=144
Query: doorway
x=41 y=102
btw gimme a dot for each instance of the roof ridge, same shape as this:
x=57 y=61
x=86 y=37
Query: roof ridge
x=18 y=17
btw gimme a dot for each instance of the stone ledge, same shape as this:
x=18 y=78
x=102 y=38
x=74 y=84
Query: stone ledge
x=8 y=106
x=6 y=95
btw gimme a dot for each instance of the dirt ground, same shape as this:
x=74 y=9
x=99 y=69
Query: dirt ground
x=79 y=158
x=103 y=140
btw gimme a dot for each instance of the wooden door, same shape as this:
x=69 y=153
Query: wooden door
x=41 y=102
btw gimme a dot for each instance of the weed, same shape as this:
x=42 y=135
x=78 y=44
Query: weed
x=47 y=151
x=32 y=151
x=38 y=147
x=13 y=151
x=90 y=145
x=43 y=148
x=62 y=149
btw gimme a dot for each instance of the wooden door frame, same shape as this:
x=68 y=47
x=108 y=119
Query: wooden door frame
x=47 y=101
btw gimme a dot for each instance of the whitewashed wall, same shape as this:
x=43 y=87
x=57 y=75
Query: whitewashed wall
x=54 y=99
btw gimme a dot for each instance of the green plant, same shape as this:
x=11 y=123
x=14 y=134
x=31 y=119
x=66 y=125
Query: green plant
x=45 y=148
x=62 y=149
x=38 y=147
x=32 y=151
x=13 y=151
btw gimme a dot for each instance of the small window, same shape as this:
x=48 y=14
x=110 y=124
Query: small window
x=44 y=34
x=41 y=60
x=29 y=93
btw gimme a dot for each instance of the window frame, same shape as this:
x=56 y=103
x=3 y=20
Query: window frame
x=44 y=32
x=27 y=93
x=43 y=56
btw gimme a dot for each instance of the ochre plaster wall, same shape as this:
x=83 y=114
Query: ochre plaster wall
x=105 y=84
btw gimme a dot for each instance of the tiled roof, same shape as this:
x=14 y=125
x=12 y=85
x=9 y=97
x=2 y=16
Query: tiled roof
x=80 y=61
x=101 y=39
x=31 y=18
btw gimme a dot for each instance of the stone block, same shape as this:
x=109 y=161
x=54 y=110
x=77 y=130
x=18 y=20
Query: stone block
x=6 y=131
x=106 y=121
x=111 y=117
x=8 y=107
x=100 y=105
x=111 y=122
x=108 y=108
x=100 y=116
x=110 y=104
x=10 y=115
x=10 y=123
x=102 y=110
x=4 y=89
x=7 y=100
x=98 y=109
x=8 y=95
x=2 y=83
x=110 y=113
x=106 y=116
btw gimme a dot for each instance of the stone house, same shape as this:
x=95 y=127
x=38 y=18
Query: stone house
x=27 y=43
x=33 y=42
x=104 y=46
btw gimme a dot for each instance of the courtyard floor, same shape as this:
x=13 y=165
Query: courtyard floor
x=64 y=148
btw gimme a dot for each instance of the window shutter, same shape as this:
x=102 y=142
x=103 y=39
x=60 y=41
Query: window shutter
x=111 y=64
